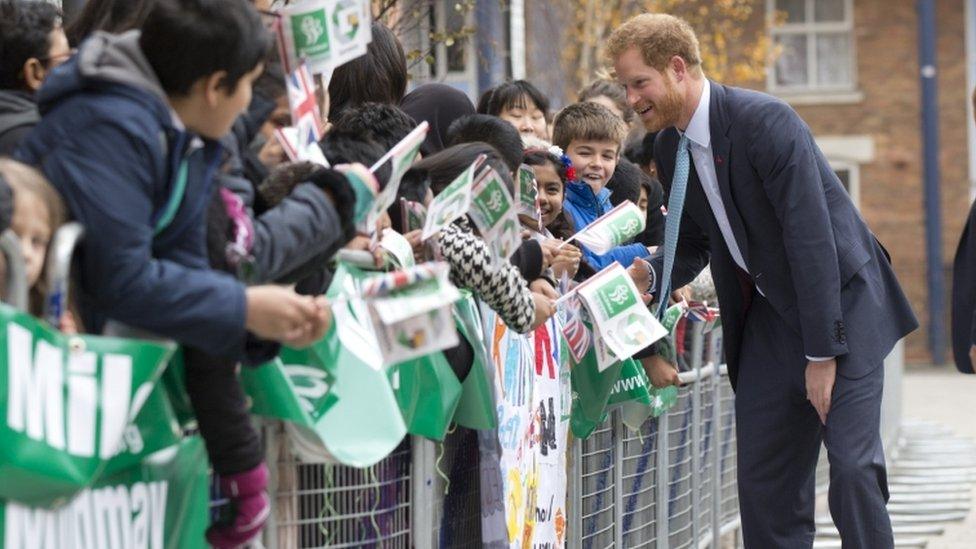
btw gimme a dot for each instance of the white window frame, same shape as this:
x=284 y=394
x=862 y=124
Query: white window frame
x=812 y=93
x=854 y=178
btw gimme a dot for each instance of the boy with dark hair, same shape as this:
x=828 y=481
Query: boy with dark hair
x=380 y=122
x=139 y=178
x=501 y=135
x=347 y=147
x=591 y=135
x=32 y=43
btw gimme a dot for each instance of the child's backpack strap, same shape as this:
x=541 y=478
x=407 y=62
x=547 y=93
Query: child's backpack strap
x=181 y=168
x=175 y=198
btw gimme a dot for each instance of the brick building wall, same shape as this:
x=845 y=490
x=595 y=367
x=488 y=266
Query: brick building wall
x=891 y=186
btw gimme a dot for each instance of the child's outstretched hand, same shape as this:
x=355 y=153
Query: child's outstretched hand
x=67 y=324
x=566 y=260
x=640 y=273
x=365 y=243
x=545 y=307
x=319 y=324
x=279 y=314
x=419 y=249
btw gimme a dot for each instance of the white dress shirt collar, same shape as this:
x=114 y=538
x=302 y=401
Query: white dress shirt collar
x=698 y=130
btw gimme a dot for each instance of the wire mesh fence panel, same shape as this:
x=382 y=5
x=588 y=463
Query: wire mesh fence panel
x=680 y=492
x=598 y=490
x=457 y=505
x=327 y=505
x=639 y=524
x=727 y=449
x=706 y=449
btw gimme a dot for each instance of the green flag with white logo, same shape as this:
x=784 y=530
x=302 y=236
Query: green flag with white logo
x=452 y=202
x=295 y=387
x=495 y=213
x=620 y=318
x=67 y=404
x=613 y=228
x=326 y=33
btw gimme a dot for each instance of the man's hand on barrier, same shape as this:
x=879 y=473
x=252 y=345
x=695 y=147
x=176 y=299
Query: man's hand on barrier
x=661 y=372
x=279 y=314
x=972 y=357
x=820 y=378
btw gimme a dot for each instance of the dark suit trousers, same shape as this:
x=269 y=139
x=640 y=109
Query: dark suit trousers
x=779 y=436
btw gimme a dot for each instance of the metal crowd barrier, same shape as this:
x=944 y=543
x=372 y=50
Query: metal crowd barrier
x=15 y=281
x=672 y=484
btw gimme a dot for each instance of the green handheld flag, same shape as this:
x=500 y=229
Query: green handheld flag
x=612 y=228
x=294 y=387
x=493 y=211
x=427 y=392
x=401 y=157
x=452 y=202
x=326 y=33
x=364 y=186
x=476 y=410
x=410 y=311
x=364 y=425
x=621 y=319
x=527 y=193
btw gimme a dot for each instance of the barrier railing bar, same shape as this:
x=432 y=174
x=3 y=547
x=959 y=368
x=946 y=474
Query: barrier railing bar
x=16 y=270
x=696 y=412
x=716 y=469
x=423 y=454
x=701 y=374
x=663 y=448
x=62 y=249
x=618 y=481
x=574 y=495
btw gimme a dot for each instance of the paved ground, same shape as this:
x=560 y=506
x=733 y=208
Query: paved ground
x=942 y=395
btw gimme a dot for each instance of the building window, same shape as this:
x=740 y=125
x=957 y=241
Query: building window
x=443 y=36
x=849 y=174
x=815 y=44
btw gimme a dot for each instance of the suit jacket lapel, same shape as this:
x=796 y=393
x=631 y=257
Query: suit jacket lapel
x=719 y=124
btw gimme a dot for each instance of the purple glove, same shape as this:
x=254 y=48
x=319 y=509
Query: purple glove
x=251 y=508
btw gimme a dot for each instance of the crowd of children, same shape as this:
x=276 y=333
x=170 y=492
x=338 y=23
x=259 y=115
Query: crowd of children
x=157 y=136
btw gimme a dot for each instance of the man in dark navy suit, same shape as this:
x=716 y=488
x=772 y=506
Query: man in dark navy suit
x=810 y=305
x=964 y=295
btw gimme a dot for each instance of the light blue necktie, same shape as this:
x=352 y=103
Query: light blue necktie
x=676 y=203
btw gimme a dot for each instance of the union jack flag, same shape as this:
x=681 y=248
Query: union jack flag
x=575 y=332
x=304 y=106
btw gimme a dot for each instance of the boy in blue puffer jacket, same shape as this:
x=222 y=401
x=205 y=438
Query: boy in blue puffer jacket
x=591 y=136
x=128 y=137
